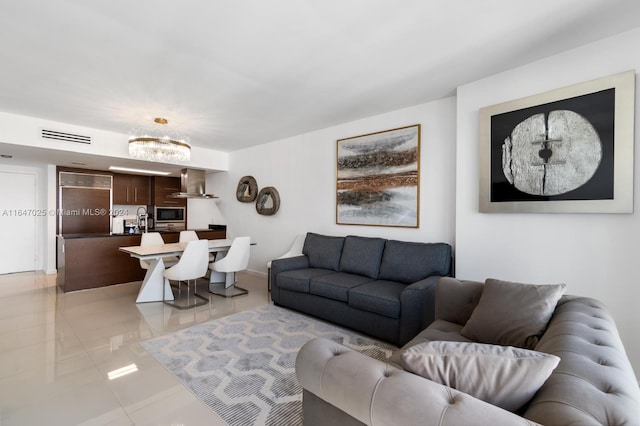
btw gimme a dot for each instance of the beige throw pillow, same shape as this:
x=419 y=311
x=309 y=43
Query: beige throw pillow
x=512 y=314
x=504 y=376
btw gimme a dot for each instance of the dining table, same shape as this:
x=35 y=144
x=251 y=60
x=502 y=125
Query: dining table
x=155 y=288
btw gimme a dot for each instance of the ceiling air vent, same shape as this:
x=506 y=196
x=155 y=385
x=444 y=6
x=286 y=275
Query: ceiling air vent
x=62 y=136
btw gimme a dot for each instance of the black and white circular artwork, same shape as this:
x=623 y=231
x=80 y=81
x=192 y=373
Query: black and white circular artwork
x=551 y=153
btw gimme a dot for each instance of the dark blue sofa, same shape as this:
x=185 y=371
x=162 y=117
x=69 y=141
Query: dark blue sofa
x=384 y=288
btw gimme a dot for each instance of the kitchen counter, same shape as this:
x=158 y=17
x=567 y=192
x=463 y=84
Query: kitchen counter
x=94 y=260
x=163 y=232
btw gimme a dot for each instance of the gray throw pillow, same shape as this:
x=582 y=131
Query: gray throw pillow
x=512 y=314
x=504 y=376
x=323 y=251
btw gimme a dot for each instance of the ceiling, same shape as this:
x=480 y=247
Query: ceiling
x=234 y=74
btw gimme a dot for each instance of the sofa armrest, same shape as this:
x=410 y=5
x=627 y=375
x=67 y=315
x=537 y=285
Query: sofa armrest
x=374 y=392
x=281 y=265
x=594 y=382
x=417 y=308
x=289 y=263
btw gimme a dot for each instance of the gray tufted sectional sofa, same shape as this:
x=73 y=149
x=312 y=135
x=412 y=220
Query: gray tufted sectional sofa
x=384 y=288
x=593 y=384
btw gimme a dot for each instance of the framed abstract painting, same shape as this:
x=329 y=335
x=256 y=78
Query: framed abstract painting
x=569 y=150
x=378 y=178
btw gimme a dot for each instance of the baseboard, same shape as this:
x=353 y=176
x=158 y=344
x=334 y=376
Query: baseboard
x=256 y=273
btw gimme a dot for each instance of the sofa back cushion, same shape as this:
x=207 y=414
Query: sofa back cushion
x=512 y=314
x=456 y=299
x=362 y=255
x=409 y=262
x=323 y=251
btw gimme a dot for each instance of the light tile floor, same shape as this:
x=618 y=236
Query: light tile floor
x=56 y=350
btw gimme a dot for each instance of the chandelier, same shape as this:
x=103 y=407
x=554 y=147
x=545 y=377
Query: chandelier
x=156 y=145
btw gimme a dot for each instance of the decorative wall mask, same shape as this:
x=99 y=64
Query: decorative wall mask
x=268 y=201
x=247 y=189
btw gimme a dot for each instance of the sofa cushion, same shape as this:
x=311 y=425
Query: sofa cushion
x=409 y=262
x=323 y=251
x=512 y=314
x=437 y=330
x=299 y=279
x=336 y=285
x=362 y=255
x=456 y=300
x=500 y=375
x=380 y=297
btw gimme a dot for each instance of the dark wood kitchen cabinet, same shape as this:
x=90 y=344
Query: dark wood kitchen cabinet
x=131 y=189
x=163 y=187
x=90 y=261
x=94 y=260
x=85 y=210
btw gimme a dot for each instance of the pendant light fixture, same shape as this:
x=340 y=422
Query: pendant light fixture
x=155 y=144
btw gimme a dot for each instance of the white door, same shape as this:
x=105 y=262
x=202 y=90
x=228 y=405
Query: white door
x=17 y=222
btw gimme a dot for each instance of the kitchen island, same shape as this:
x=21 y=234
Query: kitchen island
x=94 y=260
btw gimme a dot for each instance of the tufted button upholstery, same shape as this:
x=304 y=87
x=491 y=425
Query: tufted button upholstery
x=594 y=382
x=377 y=393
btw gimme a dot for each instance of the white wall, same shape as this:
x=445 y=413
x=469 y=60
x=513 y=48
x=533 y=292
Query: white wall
x=596 y=255
x=303 y=170
x=203 y=212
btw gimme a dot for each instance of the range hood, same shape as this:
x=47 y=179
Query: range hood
x=192 y=182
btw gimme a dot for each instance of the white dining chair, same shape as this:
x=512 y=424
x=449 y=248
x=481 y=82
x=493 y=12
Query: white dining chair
x=193 y=264
x=236 y=259
x=155 y=239
x=294 y=250
x=186 y=236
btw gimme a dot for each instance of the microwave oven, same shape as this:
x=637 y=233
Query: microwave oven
x=168 y=214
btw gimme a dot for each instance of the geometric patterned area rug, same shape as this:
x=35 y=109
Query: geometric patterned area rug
x=243 y=365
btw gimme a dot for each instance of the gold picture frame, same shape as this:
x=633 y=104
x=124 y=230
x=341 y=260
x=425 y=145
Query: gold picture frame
x=378 y=178
x=569 y=150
